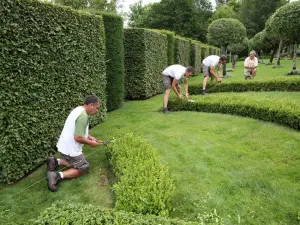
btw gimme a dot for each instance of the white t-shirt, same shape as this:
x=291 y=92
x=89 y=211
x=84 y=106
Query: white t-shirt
x=211 y=61
x=66 y=143
x=176 y=71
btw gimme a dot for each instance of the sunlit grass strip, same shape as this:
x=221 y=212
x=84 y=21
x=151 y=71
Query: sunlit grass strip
x=277 y=111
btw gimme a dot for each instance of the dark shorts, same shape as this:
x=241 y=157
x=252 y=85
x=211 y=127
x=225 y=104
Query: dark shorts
x=206 y=71
x=167 y=81
x=77 y=162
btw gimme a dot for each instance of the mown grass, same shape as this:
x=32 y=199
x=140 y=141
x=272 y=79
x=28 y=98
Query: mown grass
x=245 y=169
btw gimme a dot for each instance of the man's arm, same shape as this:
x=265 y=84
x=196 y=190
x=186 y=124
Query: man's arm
x=212 y=71
x=174 y=83
x=84 y=140
x=186 y=88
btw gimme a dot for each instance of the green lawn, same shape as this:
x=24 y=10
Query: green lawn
x=247 y=170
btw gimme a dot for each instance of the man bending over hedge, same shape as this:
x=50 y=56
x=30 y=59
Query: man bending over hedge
x=208 y=67
x=171 y=76
x=73 y=136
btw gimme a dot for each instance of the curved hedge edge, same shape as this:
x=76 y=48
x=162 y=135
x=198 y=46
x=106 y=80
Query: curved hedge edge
x=76 y=213
x=144 y=183
x=281 y=84
x=278 y=112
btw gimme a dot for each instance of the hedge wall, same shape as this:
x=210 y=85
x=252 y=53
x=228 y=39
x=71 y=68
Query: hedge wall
x=278 y=111
x=171 y=43
x=279 y=84
x=182 y=51
x=196 y=59
x=204 y=51
x=78 y=214
x=144 y=183
x=115 y=70
x=145 y=59
x=51 y=59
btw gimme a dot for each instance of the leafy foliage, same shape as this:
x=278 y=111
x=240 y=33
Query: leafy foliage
x=182 y=51
x=286 y=21
x=145 y=59
x=277 y=111
x=238 y=47
x=223 y=32
x=93 y=5
x=196 y=59
x=64 y=213
x=171 y=44
x=144 y=184
x=279 y=84
x=224 y=11
x=115 y=69
x=51 y=59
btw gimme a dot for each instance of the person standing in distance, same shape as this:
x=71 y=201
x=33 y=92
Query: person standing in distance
x=73 y=136
x=208 y=67
x=171 y=76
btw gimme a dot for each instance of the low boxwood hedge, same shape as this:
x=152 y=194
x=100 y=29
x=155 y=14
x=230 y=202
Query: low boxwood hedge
x=278 y=84
x=277 y=111
x=144 y=184
x=61 y=213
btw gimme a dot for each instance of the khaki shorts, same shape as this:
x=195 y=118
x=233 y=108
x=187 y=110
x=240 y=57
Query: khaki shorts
x=167 y=81
x=206 y=71
x=77 y=162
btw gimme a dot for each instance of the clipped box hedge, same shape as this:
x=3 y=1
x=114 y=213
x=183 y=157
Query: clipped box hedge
x=204 y=51
x=182 y=51
x=145 y=60
x=115 y=69
x=277 y=111
x=51 y=59
x=144 y=184
x=65 y=213
x=196 y=58
x=278 y=84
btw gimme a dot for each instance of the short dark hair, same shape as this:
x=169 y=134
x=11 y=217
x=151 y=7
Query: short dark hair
x=92 y=99
x=190 y=69
x=223 y=57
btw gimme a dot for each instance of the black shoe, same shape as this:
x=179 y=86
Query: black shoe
x=51 y=164
x=203 y=92
x=166 y=111
x=53 y=178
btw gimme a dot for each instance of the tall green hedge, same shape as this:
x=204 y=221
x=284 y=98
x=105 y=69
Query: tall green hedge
x=51 y=59
x=204 y=51
x=196 y=58
x=115 y=69
x=145 y=59
x=171 y=43
x=182 y=51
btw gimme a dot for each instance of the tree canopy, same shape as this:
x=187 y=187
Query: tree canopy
x=99 y=5
x=223 y=32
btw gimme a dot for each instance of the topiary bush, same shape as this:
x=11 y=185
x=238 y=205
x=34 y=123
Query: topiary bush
x=171 y=43
x=145 y=60
x=144 y=183
x=51 y=59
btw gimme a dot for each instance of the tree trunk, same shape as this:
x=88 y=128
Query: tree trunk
x=278 y=53
x=224 y=66
x=272 y=55
x=294 y=57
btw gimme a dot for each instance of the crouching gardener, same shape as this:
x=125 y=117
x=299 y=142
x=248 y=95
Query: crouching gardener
x=171 y=76
x=74 y=135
